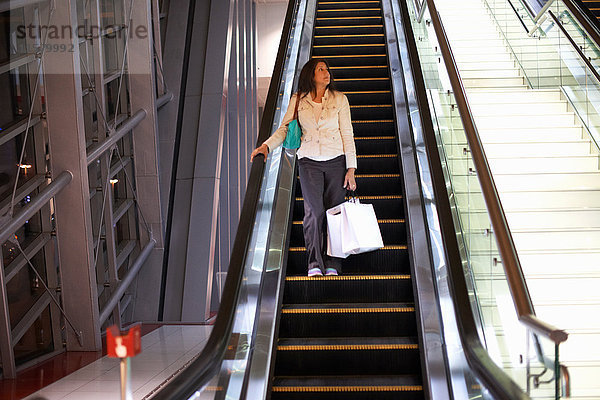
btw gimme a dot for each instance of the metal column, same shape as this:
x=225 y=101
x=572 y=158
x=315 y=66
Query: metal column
x=72 y=205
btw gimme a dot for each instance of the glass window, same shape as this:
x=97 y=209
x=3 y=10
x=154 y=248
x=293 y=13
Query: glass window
x=90 y=118
x=37 y=340
x=13 y=34
x=115 y=103
x=114 y=45
x=86 y=55
x=14 y=97
x=24 y=289
x=112 y=12
x=9 y=164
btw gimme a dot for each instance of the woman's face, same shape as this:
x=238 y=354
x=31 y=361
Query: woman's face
x=321 y=76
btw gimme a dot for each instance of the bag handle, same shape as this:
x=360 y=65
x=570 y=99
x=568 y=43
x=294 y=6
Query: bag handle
x=296 y=106
x=352 y=196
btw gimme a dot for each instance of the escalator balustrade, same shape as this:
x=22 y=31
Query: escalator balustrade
x=354 y=336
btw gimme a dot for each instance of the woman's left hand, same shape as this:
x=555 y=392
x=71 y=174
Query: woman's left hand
x=349 y=181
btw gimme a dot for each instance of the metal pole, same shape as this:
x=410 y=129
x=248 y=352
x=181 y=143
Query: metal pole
x=35 y=205
x=126 y=379
x=126 y=281
x=164 y=99
x=556 y=372
x=125 y=128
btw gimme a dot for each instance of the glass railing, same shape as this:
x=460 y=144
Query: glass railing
x=554 y=53
x=511 y=344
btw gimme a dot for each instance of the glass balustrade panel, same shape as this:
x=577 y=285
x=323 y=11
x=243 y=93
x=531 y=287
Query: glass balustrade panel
x=504 y=337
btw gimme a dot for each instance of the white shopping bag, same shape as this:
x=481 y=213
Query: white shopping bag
x=352 y=228
x=334 y=232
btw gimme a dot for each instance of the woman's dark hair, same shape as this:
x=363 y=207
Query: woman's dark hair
x=306 y=83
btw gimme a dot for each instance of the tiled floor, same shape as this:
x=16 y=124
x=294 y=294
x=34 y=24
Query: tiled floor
x=164 y=351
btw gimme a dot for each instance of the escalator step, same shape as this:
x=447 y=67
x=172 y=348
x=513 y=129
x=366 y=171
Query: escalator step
x=358 y=71
x=347 y=288
x=366 y=60
x=348 y=30
x=392 y=231
x=345 y=49
x=375 y=111
x=320 y=40
x=379 y=127
x=349 y=12
x=328 y=5
x=347 y=320
x=348 y=21
x=373 y=184
x=389 y=260
x=408 y=387
x=386 y=207
x=372 y=144
x=347 y=356
x=358 y=84
x=366 y=97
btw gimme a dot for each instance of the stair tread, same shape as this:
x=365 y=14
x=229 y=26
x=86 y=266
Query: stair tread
x=348 y=341
x=365 y=381
x=352 y=307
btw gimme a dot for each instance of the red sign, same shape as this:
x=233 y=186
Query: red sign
x=124 y=344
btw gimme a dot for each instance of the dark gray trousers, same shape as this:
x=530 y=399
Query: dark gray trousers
x=322 y=188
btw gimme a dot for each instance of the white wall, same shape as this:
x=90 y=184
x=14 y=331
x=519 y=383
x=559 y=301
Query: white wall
x=269 y=23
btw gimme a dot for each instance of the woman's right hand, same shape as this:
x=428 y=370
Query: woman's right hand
x=262 y=149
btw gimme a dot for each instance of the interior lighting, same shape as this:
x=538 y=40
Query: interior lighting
x=113 y=181
x=25 y=166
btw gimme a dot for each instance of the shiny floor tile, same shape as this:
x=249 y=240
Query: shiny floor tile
x=164 y=352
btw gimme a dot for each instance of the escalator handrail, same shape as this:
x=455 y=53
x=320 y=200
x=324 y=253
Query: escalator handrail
x=581 y=14
x=581 y=18
x=207 y=364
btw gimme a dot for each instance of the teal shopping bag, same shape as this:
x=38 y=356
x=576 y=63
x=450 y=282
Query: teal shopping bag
x=294 y=132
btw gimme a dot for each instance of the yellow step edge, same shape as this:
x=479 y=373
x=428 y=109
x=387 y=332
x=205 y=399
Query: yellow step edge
x=348 y=2
x=351 y=55
x=337 y=36
x=377 y=175
x=371 y=121
x=374 y=137
x=348 y=26
x=349 y=9
x=377 y=156
x=380 y=221
x=391 y=247
x=350 y=45
x=367 y=92
x=358 y=310
x=357 y=17
x=387 y=197
x=359 y=67
x=347 y=278
x=403 y=388
x=361 y=79
x=370 y=106
x=335 y=347
x=374 y=176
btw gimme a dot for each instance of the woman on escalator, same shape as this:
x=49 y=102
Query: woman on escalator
x=326 y=157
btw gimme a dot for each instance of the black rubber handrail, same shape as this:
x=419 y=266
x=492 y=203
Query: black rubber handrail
x=208 y=363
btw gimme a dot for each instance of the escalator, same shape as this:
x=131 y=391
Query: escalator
x=354 y=335
x=406 y=321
